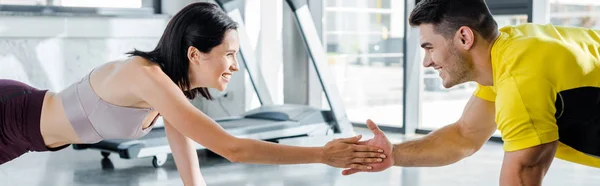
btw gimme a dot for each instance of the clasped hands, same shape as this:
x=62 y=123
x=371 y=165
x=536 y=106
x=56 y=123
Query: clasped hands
x=372 y=155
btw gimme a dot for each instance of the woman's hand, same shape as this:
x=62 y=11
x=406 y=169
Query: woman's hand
x=381 y=141
x=346 y=153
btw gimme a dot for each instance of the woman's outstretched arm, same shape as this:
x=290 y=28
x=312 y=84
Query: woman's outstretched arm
x=159 y=91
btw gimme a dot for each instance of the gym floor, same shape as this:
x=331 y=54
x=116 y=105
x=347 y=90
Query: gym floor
x=70 y=167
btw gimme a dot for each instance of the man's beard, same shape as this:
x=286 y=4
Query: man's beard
x=461 y=71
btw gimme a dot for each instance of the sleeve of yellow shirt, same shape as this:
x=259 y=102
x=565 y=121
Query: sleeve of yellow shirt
x=525 y=112
x=485 y=92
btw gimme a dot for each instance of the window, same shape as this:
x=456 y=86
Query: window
x=93 y=7
x=364 y=41
x=581 y=13
x=22 y=2
x=102 y=3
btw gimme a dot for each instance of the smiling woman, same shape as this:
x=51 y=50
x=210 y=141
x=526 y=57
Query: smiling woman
x=122 y=99
x=204 y=43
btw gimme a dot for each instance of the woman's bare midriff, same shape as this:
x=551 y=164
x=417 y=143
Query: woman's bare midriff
x=55 y=127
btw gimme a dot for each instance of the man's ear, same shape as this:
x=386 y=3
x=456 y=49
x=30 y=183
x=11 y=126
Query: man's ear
x=466 y=37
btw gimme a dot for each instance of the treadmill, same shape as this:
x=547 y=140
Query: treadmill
x=268 y=122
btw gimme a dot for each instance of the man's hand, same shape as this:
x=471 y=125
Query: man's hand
x=381 y=141
x=346 y=153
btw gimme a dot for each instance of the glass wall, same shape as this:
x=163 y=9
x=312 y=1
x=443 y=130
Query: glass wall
x=364 y=43
x=441 y=106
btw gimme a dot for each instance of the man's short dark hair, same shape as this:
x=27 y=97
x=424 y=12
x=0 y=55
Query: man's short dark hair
x=447 y=16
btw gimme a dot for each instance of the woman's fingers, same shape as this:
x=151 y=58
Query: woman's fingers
x=366 y=148
x=367 y=160
x=369 y=155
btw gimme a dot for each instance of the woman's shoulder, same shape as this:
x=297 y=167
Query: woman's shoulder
x=137 y=62
x=143 y=71
x=135 y=67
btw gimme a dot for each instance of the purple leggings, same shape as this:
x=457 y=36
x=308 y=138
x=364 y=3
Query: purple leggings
x=20 y=113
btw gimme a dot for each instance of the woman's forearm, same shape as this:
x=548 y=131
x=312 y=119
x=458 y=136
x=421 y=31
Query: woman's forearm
x=340 y=153
x=185 y=156
x=261 y=152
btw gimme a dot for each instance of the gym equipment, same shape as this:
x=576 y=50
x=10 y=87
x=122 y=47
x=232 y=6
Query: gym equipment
x=268 y=122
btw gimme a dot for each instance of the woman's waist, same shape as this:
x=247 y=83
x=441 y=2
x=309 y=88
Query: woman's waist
x=55 y=125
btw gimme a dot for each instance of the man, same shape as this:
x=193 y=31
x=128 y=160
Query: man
x=538 y=84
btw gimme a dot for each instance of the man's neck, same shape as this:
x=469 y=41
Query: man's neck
x=482 y=58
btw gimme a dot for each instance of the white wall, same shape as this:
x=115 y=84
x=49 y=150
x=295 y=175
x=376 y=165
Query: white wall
x=171 y=7
x=52 y=52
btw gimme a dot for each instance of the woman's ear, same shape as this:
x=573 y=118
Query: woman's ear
x=193 y=55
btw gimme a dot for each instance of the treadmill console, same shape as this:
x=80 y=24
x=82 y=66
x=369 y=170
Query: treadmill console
x=282 y=112
x=277 y=116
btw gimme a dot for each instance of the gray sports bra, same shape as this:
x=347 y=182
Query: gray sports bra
x=95 y=119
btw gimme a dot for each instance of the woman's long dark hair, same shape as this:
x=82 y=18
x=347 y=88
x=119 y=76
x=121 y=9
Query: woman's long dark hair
x=202 y=25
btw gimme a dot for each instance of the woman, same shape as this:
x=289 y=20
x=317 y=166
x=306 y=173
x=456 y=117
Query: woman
x=122 y=99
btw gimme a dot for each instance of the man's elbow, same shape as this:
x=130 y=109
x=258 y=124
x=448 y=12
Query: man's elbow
x=472 y=149
x=459 y=152
x=467 y=147
x=462 y=153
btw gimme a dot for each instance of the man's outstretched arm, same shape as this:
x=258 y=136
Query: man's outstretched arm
x=526 y=167
x=445 y=145
x=453 y=142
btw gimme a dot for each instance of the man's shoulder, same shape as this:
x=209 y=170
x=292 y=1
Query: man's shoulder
x=546 y=38
x=520 y=54
x=532 y=46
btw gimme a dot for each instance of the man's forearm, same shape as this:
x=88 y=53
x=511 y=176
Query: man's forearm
x=441 y=147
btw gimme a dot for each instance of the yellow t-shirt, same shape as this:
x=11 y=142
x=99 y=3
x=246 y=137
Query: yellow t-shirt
x=547 y=88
